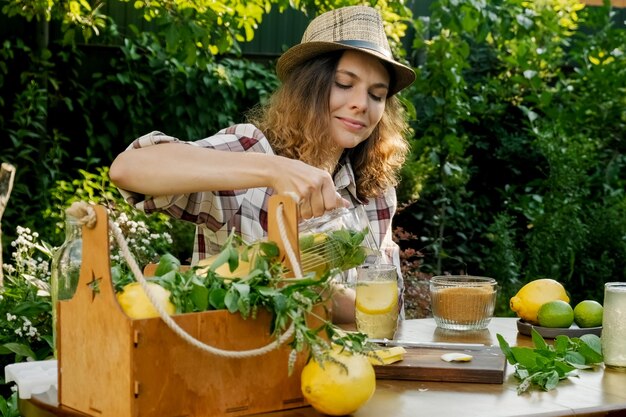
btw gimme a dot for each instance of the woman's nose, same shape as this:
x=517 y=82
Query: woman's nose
x=358 y=99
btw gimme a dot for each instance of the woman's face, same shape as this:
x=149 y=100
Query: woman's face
x=357 y=98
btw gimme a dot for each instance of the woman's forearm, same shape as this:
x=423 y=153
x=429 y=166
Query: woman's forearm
x=176 y=168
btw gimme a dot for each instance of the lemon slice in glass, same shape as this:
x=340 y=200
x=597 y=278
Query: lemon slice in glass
x=374 y=297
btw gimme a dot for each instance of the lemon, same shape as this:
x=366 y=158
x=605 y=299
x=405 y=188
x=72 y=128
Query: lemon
x=376 y=297
x=588 y=313
x=243 y=268
x=532 y=296
x=338 y=389
x=136 y=303
x=557 y=313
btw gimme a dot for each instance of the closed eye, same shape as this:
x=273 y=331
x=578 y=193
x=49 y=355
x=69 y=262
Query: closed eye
x=342 y=86
x=374 y=97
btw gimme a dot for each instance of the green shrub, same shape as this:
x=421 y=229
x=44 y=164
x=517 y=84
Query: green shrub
x=518 y=143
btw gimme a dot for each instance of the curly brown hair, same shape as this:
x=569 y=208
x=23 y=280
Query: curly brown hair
x=296 y=118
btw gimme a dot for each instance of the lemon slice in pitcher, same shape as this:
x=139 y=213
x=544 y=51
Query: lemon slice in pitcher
x=376 y=297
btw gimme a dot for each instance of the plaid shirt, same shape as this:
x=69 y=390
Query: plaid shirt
x=216 y=213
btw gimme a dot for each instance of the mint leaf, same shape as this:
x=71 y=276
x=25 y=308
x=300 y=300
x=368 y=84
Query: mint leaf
x=545 y=365
x=200 y=297
x=216 y=298
x=538 y=341
x=231 y=300
x=591 y=348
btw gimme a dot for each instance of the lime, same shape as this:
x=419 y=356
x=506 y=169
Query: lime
x=588 y=313
x=555 y=313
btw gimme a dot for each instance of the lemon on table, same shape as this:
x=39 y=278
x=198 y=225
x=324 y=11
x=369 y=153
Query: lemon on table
x=556 y=313
x=376 y=297
x=136 y=303
x=338 y=389
x=533 y=295
x=588 y=313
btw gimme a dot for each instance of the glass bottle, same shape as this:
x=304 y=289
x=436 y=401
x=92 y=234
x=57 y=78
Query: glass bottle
x=614 y=325
x=65 y=268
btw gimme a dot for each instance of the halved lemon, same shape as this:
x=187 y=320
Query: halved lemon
x=376 y=297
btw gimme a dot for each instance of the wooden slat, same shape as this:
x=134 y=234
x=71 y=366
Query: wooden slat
x=95 y=338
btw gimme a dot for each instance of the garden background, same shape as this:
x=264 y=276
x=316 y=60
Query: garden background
x=518 y=118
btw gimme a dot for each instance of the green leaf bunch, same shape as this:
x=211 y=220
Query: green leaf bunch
x=545 y=365
x=266 y=286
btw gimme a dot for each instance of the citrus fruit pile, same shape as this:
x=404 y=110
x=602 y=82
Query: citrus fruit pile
x=545 y=302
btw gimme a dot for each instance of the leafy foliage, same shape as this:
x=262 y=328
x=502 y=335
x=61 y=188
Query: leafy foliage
x=25 y=307
x=515 y=152
x=545 y=365
x=265 y=286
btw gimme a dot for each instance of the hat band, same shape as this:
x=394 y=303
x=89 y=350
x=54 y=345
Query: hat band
x=366 y=45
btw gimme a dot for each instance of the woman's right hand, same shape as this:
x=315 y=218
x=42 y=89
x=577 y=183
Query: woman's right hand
x=312 y=187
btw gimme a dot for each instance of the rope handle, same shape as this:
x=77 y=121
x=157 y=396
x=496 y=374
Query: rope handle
x=85 y=214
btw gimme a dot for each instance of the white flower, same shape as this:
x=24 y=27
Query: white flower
x=529 y=74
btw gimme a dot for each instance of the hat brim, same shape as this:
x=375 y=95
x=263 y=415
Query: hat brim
x=296 y=55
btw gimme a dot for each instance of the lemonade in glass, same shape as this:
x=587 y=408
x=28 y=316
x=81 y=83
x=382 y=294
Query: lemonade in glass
x=377 y=306
x=614 y=325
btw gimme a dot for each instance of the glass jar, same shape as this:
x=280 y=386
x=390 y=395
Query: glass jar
x=330 y=241
x=65 y=268
x=614 y=325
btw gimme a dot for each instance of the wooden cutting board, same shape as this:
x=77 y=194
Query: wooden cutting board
x=488 y=366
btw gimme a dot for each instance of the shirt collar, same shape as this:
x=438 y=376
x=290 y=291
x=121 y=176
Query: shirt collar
x=344 y=177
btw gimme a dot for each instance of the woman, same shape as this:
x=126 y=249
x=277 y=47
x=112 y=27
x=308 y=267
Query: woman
x=331 y=136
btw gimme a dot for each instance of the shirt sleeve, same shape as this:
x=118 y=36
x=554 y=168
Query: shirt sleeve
x=213 y=209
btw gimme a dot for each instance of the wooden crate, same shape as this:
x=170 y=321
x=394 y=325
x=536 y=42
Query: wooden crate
x=114 y=366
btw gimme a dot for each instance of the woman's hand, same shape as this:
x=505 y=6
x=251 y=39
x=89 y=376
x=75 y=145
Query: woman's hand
x=313 y=188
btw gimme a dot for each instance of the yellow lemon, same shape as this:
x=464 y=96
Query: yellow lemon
x=341 y=386
x=588 y=313
x=136 y=303
x=529 y=299
x=376 y=297
x=555 y=313
x=223 y=270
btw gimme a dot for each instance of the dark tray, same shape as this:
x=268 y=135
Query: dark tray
x=552 y=332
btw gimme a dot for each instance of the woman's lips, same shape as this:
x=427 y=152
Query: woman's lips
x=352 y=124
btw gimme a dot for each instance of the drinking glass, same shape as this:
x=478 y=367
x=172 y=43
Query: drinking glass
x=377 y=306
x=462 y=302
x=614 y=325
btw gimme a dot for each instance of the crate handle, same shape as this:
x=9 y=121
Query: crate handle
x=85 y=214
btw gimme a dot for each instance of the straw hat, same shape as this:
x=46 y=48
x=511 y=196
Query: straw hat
x=354 y=27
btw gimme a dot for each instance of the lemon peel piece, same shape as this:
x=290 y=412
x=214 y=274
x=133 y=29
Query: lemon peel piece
x=456 y=357
x=387 y=355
